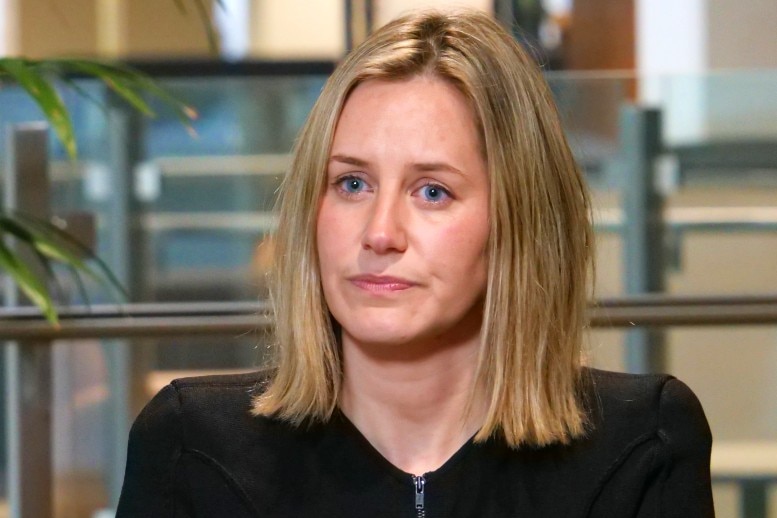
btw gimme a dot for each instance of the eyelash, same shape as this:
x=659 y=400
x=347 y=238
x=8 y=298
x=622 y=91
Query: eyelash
x=443 y=190
x=340 y=182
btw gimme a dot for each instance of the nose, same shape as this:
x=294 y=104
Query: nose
x=385 y=229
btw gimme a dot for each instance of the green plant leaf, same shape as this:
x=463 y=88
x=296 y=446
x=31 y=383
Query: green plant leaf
x=47 y=247
x=80 y=286
x=46 y=97
x=60 y=239
x=26 y=238
x=51 y=245
x=181 y=6
x=47 y=250
x=30 y=285
x=130 y=84
x=201 y=6
x=116 y=80
x=48 y=242
x=207 y=24
x=85 y=94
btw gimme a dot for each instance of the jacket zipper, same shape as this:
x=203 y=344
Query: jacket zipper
x=419 y=482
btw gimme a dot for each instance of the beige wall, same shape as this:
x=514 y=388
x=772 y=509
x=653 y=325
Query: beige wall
x=158 y=28
x=117 y=28
x=55 y=27
x=9 y=36
x=742 y=34
x=387 y=10
x=298 y=28
x=731 y=368
x=696 y=35
x=726 y=34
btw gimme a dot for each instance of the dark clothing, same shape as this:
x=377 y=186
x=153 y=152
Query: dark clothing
x=195 y=451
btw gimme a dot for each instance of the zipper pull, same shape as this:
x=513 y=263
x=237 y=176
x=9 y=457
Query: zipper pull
x=419 y=482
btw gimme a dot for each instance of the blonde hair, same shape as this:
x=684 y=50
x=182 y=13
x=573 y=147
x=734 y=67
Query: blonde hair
x=539 y=246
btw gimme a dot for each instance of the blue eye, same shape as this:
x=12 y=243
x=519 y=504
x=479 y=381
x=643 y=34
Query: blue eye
x=352 y=184
x=434 y=193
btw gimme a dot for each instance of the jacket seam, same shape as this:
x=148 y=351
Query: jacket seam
x=664 y=474
x=177 y=458
x=667 y=447
x=230 y=480
x=615 y=465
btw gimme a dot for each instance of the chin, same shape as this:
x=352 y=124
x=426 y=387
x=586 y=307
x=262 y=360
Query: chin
x=389 y=336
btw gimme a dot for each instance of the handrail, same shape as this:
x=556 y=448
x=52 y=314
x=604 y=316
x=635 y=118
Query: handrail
x=137 y=320
x=237 y=318
x=662 y=311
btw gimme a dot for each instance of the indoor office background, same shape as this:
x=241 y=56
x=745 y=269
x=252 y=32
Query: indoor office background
x=669 y=106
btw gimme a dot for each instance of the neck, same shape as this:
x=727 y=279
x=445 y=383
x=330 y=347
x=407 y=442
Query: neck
x=410 y=405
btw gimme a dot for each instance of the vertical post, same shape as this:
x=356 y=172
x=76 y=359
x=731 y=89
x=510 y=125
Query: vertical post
x=643 y=229
x=754 y=499
x=28 y=365
x=359 y=18
x=504 y=12
x=123 y=253
x=522 y=19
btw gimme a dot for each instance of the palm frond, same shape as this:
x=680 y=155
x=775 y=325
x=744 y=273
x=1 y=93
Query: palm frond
x=207 y=24
x=204 y=14
x=50 y=245
x=40 y=79
x=28 y=282
x=45 y=95
x=60 y=246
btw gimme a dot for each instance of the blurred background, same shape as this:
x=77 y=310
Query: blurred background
x=669 y=106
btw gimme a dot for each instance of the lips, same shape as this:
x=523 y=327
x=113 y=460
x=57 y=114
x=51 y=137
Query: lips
x=381 y=283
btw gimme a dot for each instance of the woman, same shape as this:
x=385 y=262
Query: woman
x=429 y=297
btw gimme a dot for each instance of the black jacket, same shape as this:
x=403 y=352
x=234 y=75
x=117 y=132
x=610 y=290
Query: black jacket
x=195 y=451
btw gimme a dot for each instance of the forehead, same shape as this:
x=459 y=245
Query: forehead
x=423 y=87
x=431 y=111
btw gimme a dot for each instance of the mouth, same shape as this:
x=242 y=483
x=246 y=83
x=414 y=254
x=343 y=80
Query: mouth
x=381 y=283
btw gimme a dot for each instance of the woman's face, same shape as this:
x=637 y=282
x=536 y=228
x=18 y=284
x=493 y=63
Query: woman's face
x=403 y=223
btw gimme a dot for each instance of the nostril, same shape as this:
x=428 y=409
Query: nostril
x=384 y=238
x=385 y=229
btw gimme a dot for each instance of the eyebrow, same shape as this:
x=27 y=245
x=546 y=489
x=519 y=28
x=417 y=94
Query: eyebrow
x=437 y=166
x=420 y=166
x=345 y=159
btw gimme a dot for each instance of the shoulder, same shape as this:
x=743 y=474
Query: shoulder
x=198 y=430
x=643 y=425
x=205 y=404
x=655 y=404
x=204 y=391
x=246 y=379
x=649 y=444
x=218 y=405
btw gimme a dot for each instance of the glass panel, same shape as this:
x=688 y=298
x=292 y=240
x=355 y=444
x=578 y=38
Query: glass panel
x=183 y=220
x=177 y=219
x=202 y=205
x=731 y=370
x=716 y=169
x=84 y=437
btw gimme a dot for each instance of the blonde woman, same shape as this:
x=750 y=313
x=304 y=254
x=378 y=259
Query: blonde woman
x=431 y=268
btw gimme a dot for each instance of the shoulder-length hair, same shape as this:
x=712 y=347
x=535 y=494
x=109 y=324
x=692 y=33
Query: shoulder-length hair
x=539 y=249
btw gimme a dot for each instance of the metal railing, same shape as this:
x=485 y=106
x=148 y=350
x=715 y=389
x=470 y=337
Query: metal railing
x=181 y=319
x=27 y=327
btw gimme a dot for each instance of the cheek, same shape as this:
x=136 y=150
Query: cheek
x=336 y=230
x=327 y=230
x=463 y=245
x=473 y=232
